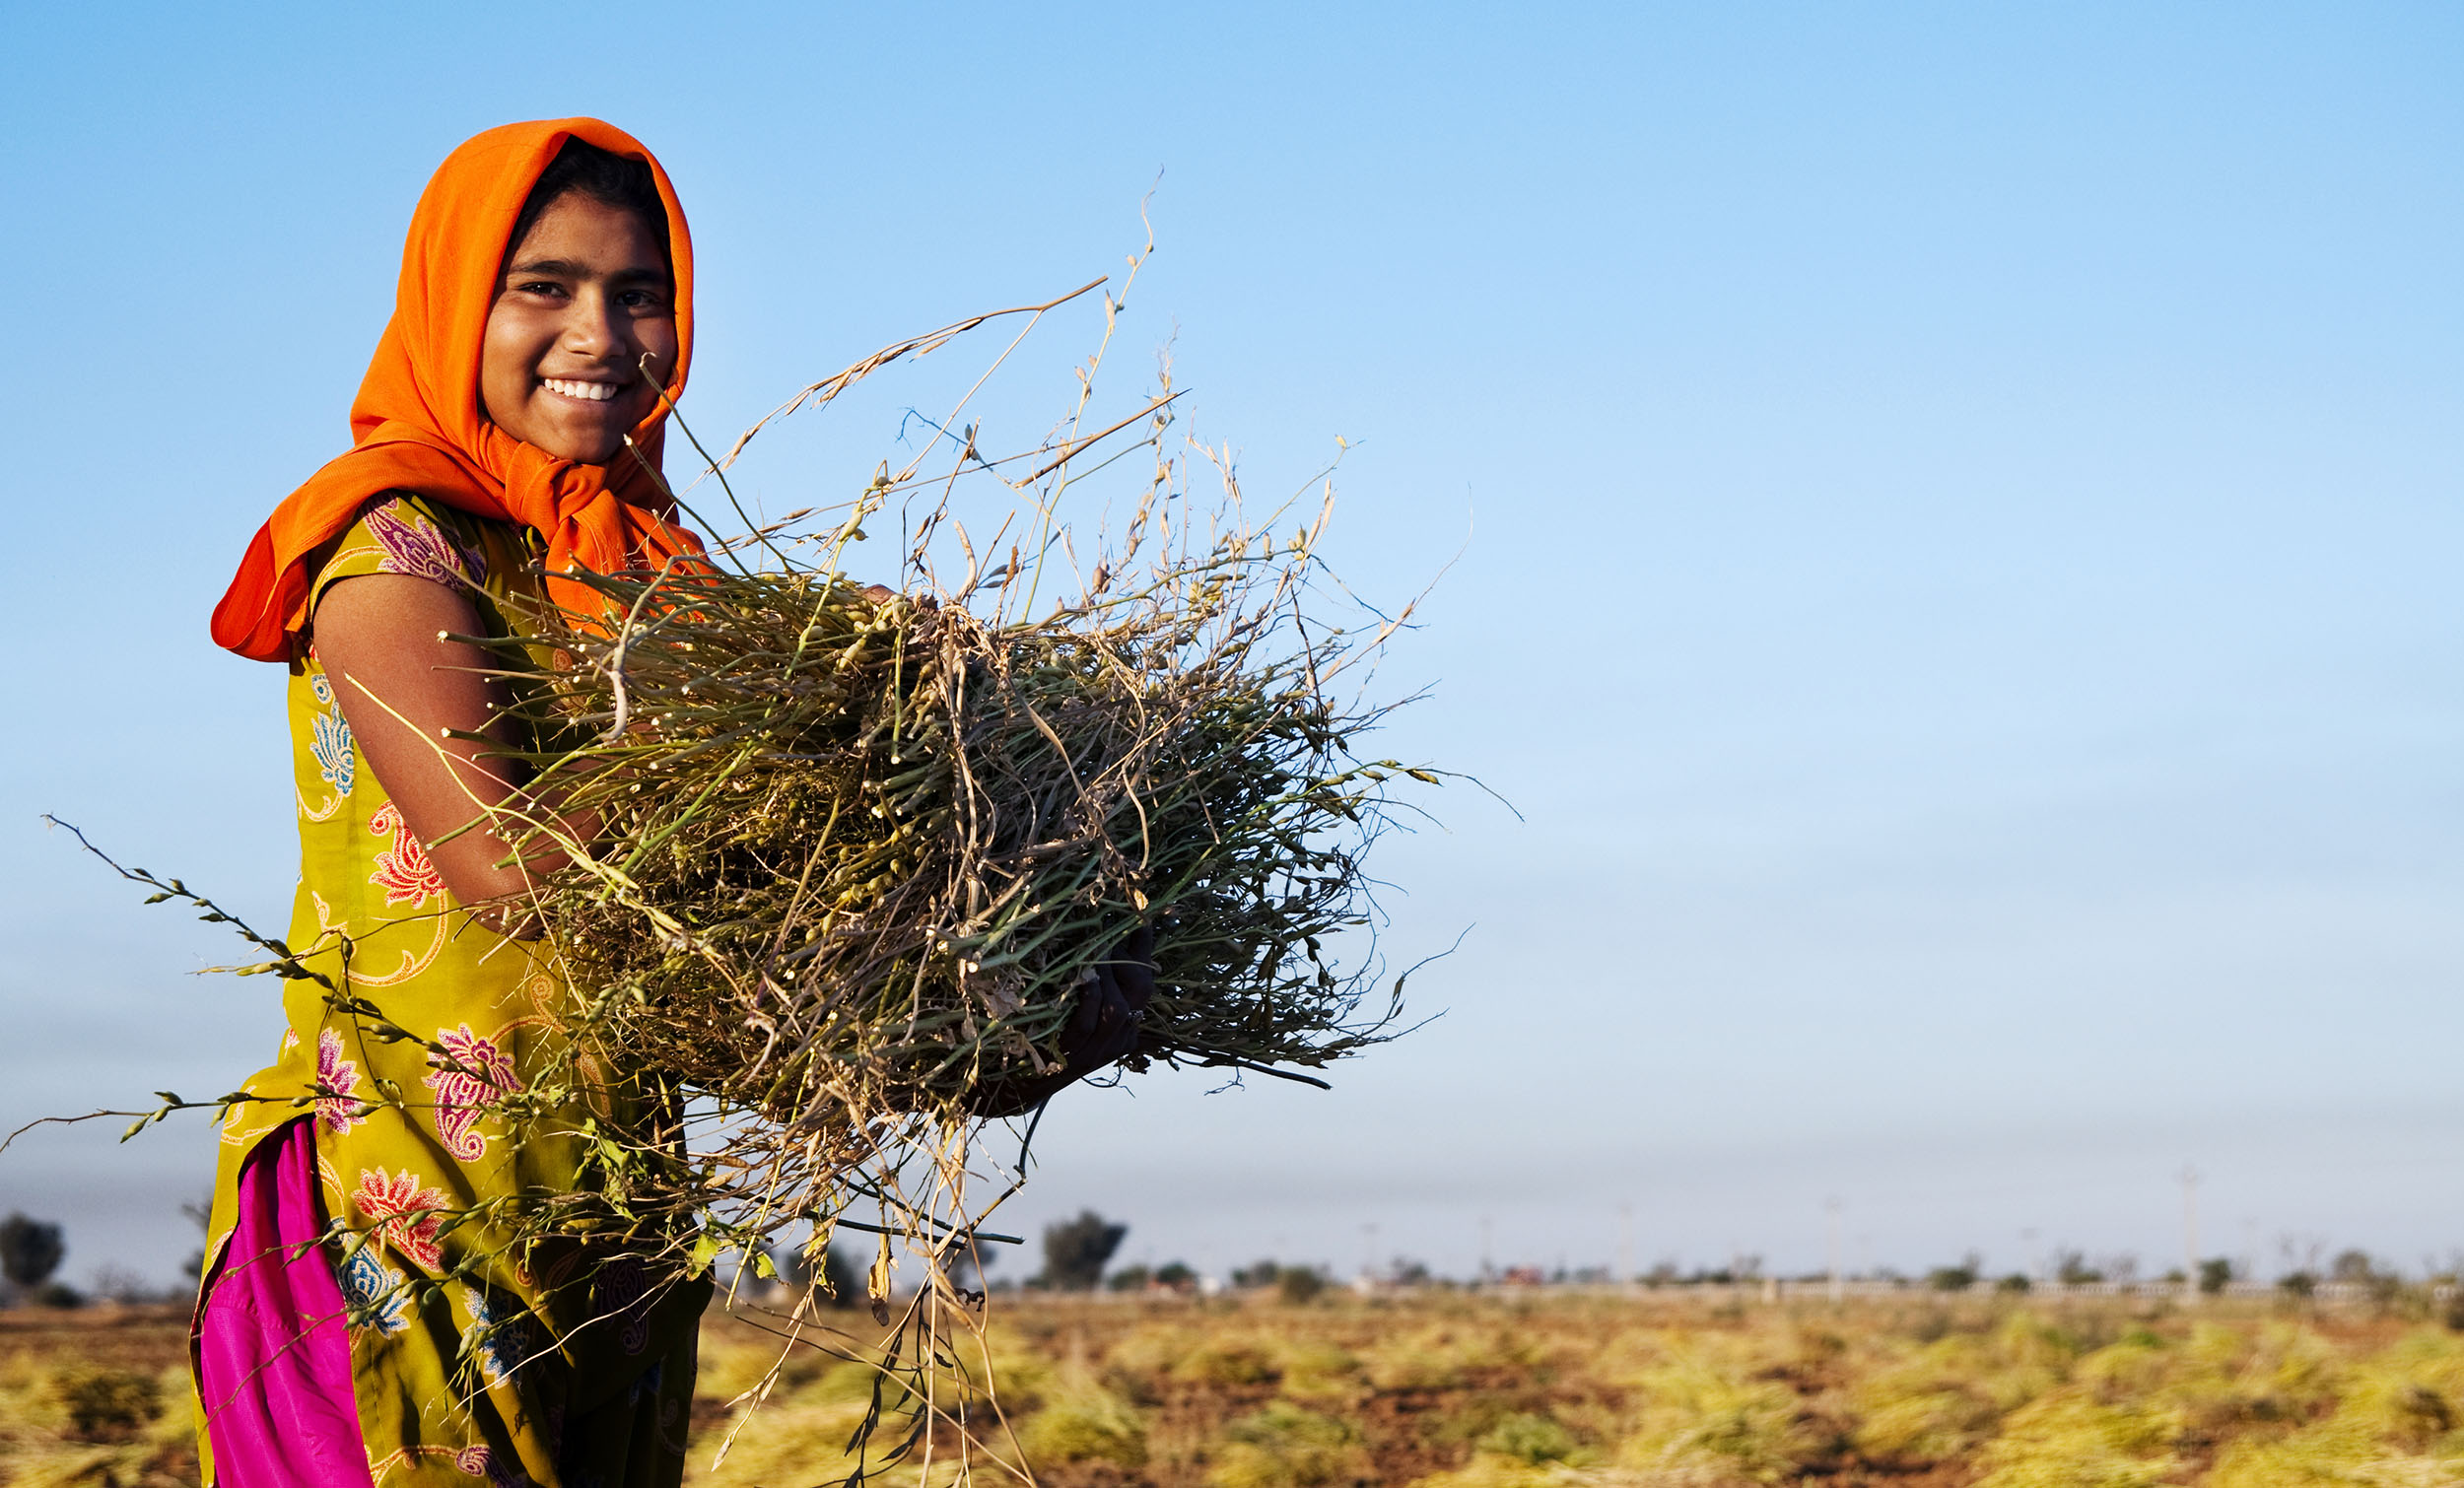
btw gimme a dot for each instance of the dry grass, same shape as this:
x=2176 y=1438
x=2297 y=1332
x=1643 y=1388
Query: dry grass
x=1457 y=1390
x=1454 y=1391
x=95 y=1397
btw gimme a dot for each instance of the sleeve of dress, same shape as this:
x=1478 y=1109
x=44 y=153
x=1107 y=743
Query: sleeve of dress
x=403 y=533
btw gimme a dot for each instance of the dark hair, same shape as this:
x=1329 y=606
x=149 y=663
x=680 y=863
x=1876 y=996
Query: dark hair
x=603 y=176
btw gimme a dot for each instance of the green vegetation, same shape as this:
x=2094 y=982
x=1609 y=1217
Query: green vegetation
x=1445 y=1388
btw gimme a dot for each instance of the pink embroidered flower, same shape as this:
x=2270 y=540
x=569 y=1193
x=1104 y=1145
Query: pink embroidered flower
x=485 y=1075
x=405 y=1215
x=403 y=870
x=336 y=1077
x=415 y=546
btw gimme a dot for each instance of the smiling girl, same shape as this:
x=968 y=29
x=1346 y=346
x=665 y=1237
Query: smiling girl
x=364 y=1318
x=368 y=1316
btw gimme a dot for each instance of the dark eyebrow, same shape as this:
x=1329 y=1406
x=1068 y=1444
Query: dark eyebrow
x=563 y=268
x=566 y=268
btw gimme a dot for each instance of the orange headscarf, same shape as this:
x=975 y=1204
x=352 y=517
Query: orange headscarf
x=418 y=424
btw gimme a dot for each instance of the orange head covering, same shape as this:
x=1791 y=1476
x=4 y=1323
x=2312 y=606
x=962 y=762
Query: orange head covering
x=418 y=424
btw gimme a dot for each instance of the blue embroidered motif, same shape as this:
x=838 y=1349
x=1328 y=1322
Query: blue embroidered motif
x=336 y=761
x=499 y=1337
x=374 y=1292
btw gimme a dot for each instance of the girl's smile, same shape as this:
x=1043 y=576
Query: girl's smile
x=586 y=297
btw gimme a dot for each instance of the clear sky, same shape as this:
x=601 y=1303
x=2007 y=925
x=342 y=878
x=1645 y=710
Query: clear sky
x=1959 y=514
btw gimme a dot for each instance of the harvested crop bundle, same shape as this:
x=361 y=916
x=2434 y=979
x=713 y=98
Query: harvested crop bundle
x=860 y=852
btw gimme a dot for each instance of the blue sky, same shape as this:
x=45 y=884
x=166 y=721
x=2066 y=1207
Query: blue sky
x=1957 y=512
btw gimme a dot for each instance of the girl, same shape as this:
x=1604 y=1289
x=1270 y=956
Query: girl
x=544 y=308
x=365 y=1319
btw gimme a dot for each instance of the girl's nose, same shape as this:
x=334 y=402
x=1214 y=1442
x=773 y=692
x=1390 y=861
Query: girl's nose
x=592 y=327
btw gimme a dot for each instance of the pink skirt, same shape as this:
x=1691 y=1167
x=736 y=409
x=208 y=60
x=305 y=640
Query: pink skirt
x=273 y=1356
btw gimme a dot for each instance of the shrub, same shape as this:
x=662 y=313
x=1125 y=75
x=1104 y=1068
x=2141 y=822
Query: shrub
x=1286 y=1447
x=1428 y=1358
x=1299 y=1284
x=1916 y=1426
x=1257 y=1273
x=2071 y=1440
x=1704 y=1416
x=1087 y=1426
x=1313 y=1370
x=1530 y=1438
x=59 y=1294
x=107 y=1404
x=1954 y=1278
x=1225 y=1361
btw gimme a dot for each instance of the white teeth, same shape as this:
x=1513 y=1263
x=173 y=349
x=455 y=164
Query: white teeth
x=596 y=392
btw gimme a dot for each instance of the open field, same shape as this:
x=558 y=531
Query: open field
x=1462 y=1390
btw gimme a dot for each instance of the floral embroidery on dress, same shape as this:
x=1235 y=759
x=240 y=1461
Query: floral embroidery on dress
x=322 y=732
x=336 y=761
x=486 y=1075
x=482 y=1462
x=407 y=1216
x=619 y=1291
x=374 y=1292
x=416 y=546
x=403 y=870
x=500 y=1338
x=336 y=1110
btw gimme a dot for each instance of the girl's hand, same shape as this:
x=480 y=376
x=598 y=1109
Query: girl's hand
x=1103 y=1028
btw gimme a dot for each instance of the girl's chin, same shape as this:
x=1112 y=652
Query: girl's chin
x=593 y=444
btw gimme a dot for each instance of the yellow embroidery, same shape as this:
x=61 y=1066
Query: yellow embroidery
x=413 y=961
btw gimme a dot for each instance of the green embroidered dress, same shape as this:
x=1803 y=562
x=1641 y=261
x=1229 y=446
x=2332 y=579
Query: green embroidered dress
x=471 y=1363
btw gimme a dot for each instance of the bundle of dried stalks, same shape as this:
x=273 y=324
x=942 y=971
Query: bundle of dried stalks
x=858 y=855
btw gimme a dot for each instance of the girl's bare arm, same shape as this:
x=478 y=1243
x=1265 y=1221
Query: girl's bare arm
x=401 y=688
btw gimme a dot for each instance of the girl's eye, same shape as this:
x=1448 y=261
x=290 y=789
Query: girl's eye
x=541 y=287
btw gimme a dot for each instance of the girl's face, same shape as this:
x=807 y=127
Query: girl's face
x=586 y=297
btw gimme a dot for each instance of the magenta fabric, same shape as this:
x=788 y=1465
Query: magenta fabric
x=273 y=1356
